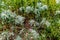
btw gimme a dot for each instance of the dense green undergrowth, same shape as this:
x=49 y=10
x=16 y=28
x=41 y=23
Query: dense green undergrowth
x=44 y=19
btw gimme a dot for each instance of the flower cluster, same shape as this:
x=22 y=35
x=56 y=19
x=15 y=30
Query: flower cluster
x=19 y=20
x=29 y=34
x=39 y=7
x=34 y=33
x=33 y=22
x=34 y=9
x=29 y=9
x=2 y=4
x=57 y=1
x=7 y=16
x=57 y=12
x=46 y=22
x=11 y=17
x=22 y=9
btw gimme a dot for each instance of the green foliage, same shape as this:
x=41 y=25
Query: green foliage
x=36 y=9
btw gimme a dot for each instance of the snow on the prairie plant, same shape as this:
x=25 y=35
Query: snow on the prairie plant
x=1 y=37
x=43 y=35
x=7 y=14
x=4 y=35
x=39 y=4
x=11 y=33
x=21 y=31
x=44 y=7
x=43 y=21
x=33 y=23
x=3 y=16
x=18 y=38
x=19 y=20
x=22 y=9
x=36 y=11
x=47 y=23
x=37 y=23
x=34 y=33
x=57 y=1
x=2 y=3
x=57 y=12
x=13 y=15
x=29 y=9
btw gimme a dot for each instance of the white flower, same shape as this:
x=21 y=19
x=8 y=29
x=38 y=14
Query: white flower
x=39 y=4
x=21 y=9
x=2 y=3
x=1 y=37
x=4 y=33
x=36 y=23
x=57 y=12
x=34 y=33
x=36 y=11
x=43 y=35
x=12 y=27
x=9 y=6
x=4 y=16
x=31 y=22
x=29 y=9
x=47 y=23
x=8 y=16
x=43 y=21
x=57 y=1
x=19 y=20
x=44 y=7
x=18 y=38
x=41 y=7
x=21 y=31
x=10 y=33
x=13 y=15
